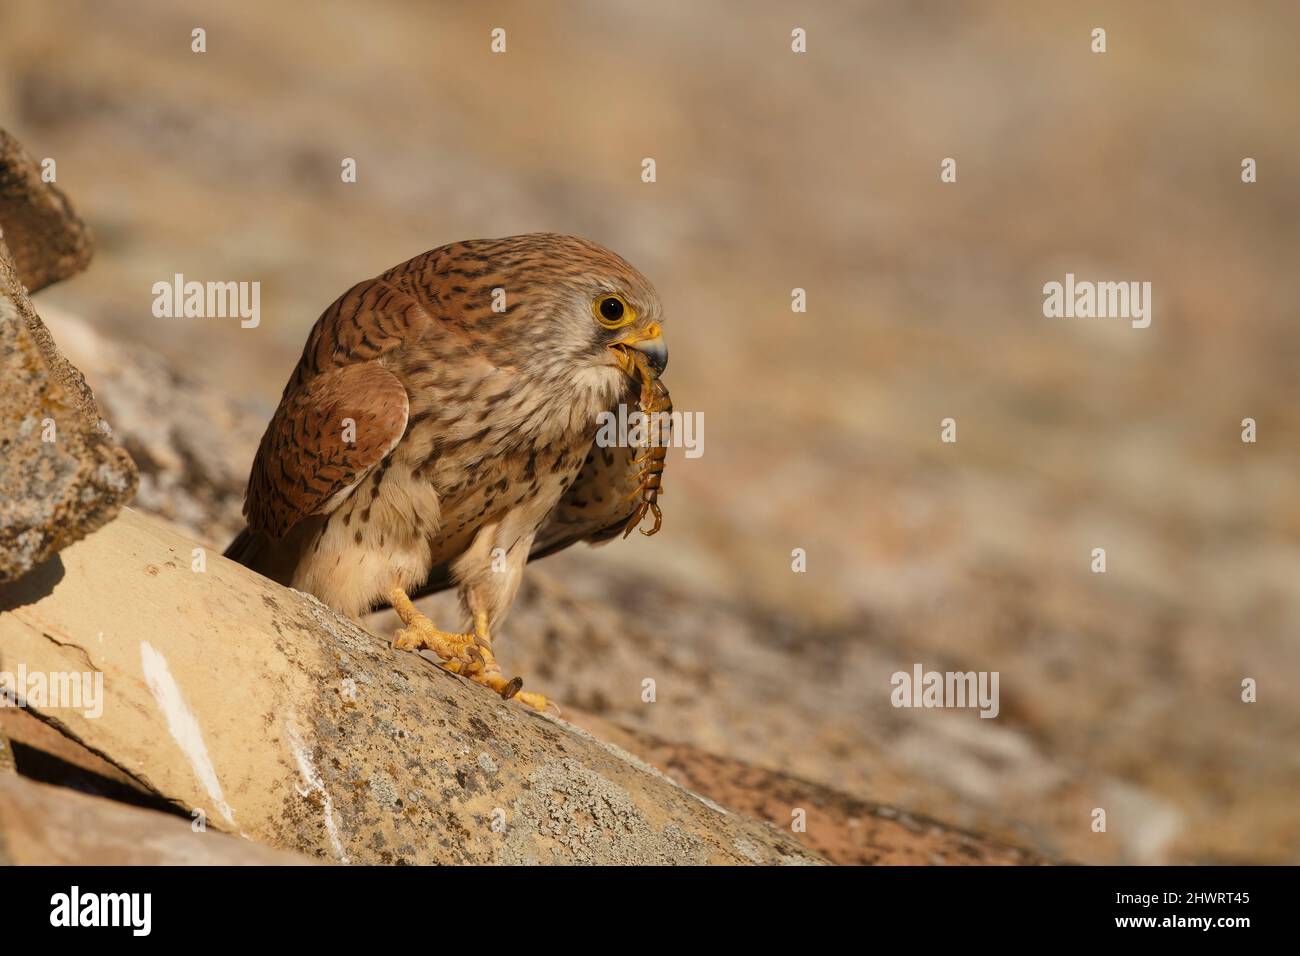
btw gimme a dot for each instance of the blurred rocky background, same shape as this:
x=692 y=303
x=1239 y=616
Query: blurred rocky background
x=777 y=171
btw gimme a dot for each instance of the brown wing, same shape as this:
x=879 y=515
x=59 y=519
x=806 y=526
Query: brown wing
x=596 y=507
x=340 y=390
x=305 y=458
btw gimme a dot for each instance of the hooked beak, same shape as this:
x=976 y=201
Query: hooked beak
x=649 y=342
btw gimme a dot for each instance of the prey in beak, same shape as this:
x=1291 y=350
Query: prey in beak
x=643 y=354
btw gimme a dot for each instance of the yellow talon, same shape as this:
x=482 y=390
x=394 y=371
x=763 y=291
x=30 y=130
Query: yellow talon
x=469 y=655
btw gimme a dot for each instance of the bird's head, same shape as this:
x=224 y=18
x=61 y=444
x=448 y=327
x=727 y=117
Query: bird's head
x=583 y=310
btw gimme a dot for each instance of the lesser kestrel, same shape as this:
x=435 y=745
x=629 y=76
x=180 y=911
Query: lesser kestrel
x=440 y=428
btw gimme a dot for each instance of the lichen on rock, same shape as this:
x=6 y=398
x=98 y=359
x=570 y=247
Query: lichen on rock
x=61 y=474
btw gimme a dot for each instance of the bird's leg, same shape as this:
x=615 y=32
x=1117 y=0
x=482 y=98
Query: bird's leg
x=420 y=632
x=488 y=673
x=469 y=655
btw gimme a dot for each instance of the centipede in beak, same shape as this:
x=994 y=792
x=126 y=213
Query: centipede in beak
x=647 y=467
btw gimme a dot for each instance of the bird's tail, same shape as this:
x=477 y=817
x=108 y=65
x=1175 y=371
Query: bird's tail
x=274 y=558
x=246 y=547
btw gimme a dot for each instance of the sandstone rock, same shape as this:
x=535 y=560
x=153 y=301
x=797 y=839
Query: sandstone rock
x=193 y=447
x=289 y=725
x=61 y=475
x=39 y=752
x=49 y=826
x=191 y=444
x=839 y=827
x=46 y=239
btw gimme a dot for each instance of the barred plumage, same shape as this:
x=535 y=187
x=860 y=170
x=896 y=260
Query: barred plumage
x=427 y=439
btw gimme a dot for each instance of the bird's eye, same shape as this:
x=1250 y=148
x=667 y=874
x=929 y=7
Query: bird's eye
x=612 y=311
